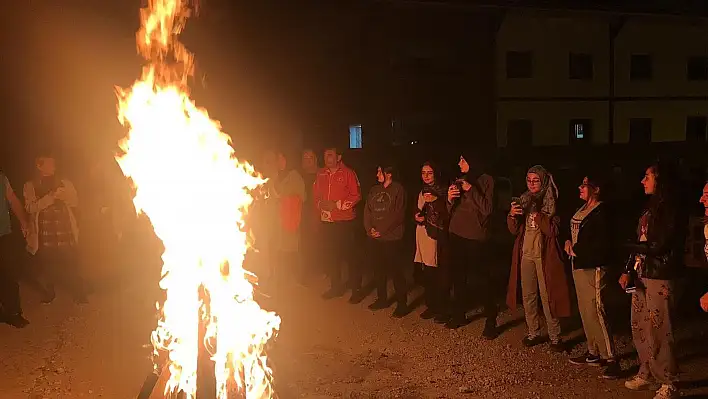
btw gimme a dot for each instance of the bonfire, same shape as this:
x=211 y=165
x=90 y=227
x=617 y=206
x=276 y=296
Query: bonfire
x=196 y=194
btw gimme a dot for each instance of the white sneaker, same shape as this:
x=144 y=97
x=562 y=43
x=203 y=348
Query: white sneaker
x=667 y=392
x=640 y=384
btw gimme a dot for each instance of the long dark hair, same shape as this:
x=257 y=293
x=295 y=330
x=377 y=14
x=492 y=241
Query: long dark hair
x=599 y=182
x=389 y=167
x=435 y=188
x=666 y=191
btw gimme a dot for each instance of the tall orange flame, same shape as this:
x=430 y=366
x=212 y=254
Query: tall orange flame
x=195 y=193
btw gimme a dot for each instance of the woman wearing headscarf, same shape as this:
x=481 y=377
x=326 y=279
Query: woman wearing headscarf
x=431 y=218
x=536 y=259
x=471 y=203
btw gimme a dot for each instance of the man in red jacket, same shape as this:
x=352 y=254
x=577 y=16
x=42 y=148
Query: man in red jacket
x=336 y=192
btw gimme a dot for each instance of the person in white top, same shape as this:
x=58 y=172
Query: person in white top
x=431 y=218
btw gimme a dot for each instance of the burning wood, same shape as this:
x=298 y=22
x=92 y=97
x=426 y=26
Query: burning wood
x=196 y=194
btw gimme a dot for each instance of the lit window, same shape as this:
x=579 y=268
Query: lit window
x=580 y=131
x=355 y=136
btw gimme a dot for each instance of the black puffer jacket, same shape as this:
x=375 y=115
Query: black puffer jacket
x=594 y=247
x=665 y=245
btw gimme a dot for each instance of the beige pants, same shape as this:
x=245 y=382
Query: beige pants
x=652 y=331
x=589 y=286
x=533 y=284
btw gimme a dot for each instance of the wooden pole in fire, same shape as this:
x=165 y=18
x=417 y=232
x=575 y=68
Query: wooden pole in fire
x=206 y=379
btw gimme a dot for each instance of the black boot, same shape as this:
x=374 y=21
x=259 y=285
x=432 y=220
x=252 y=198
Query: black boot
x=490 y=329
x=401 y=310
x=379 y=304
x=16 y=320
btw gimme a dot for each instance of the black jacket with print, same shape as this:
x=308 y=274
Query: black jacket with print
x=594 y=247
x=665 y=245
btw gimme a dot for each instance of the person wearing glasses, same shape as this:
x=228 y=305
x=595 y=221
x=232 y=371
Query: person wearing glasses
x=536 y=259
x=590 y=250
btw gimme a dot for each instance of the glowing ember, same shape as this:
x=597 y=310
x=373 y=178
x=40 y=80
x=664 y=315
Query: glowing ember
x=195 y=193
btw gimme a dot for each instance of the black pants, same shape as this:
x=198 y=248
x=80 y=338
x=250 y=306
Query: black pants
x=9 y=288
x=310 y=261
x=436 y=288
x=469 y=267
x=60 y=266
x=338 y=247
x=386 y=263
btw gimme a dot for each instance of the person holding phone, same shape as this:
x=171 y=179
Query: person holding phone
x=536 y=259
x=431 y=219
x=590 y=251
x=471 y=203
x=50 y=201
x=659 y=250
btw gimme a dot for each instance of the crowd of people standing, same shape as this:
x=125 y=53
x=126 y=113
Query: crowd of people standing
x=305 y=221
x=452 y=233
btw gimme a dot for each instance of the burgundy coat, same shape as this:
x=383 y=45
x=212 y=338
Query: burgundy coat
x=553 y=266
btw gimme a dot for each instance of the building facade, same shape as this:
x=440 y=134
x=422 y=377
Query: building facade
x=565 y=77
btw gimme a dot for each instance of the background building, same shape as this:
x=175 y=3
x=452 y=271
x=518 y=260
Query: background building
x=573 y=77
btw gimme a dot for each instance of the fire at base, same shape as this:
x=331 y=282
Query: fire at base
x=196 y=193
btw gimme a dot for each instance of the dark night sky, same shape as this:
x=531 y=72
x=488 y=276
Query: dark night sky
x=265 y=68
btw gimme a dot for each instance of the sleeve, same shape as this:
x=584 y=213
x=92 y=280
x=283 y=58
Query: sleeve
x=353 y=191
x=8 y=188
x=34 y=204
x=295 y=187
x=482 y=195
x=316 y=192
x=72 y=197
x=512 y=223
x=420 y=203
x=15 y=203
x=367 y=214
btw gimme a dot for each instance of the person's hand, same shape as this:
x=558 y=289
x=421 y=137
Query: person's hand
x=569 y=248
x=60 y=193
x=516 y=210
x=427 y=197
x=452 y=193
x=704 y=302
x=373 y=233
x=466 y=186
x=419 y=218
x=346 y=205
x=327 y=205
x=624 y=281
x=24 y=226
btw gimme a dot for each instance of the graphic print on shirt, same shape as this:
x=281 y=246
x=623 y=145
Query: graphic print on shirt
x=380 y=204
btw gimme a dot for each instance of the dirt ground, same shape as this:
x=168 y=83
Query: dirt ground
x=325 y=349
